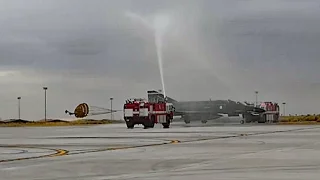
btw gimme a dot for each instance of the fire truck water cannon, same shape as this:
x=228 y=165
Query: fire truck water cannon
x=140 y=111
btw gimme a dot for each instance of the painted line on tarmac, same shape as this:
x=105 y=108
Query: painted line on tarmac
x=175 y=141
x=58 y=152
x=19 y=152
x=125 y=147
x=62 y=152
x=249 y=134
x=178 y=141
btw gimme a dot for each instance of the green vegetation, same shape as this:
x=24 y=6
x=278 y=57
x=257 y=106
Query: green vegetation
x=301 y=119
x=48 y=123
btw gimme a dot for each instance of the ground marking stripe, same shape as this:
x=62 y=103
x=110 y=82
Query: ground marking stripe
x=61 y=152
x=58 y=152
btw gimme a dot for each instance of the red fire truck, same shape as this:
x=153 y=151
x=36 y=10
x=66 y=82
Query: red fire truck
x=266 y=112
x=271 y=113
x=140 y=111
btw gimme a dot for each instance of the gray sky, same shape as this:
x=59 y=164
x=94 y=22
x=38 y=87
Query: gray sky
x=88 y=51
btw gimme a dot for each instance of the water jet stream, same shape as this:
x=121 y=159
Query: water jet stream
x=158 y=42
x=159 y=25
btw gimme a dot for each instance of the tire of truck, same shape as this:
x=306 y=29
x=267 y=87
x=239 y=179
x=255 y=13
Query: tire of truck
x=153 y=120
x=242 y=121
x=130 y=124
x=150 y=123
x=167 y=124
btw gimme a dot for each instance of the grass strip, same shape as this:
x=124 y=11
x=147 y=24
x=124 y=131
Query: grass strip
x=300 y=120
x=50 y=123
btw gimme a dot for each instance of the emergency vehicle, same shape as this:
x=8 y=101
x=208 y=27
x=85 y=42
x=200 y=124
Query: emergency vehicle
x=140 y=111
x=265 y=112
x=272 y=112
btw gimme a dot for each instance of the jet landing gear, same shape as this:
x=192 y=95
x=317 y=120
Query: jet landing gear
x=204 y=121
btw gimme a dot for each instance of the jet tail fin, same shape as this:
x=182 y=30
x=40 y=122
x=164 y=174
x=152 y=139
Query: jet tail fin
x=155 y=96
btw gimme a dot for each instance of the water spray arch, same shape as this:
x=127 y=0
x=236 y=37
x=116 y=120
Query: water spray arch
x=158 y=27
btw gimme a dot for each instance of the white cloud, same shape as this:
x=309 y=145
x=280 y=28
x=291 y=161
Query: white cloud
x=23 y=77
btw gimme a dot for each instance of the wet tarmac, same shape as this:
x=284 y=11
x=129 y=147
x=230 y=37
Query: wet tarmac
x=203 y=151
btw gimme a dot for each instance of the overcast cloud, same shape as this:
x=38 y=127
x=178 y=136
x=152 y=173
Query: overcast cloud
x=88 y=51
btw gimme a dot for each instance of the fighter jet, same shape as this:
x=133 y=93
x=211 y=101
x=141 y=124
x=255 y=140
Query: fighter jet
x=206 y=110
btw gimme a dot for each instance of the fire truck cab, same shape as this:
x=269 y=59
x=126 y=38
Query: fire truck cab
x=140 y=111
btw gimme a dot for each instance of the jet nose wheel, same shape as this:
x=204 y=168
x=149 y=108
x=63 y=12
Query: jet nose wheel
x=242 y=122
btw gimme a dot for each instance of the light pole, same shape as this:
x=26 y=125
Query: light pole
x=111 y=108
x=45 y=103
x=256 y=97
x=284 y=108
x=19 y=98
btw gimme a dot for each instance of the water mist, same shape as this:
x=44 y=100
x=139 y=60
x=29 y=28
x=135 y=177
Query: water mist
x=158 y=42
x=158 y=27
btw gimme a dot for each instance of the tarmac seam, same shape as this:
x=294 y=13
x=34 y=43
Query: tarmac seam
x=58 y=152
x=127 y=147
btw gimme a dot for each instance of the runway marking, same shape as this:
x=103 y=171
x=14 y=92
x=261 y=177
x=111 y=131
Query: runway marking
x=19 y=152
x=58 y=152
x=246 y=134
x=62 y=152
x=175 y=141
x=126 y=147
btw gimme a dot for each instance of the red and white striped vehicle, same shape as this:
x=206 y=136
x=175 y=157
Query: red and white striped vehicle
x=271 y=113
x=140 y=111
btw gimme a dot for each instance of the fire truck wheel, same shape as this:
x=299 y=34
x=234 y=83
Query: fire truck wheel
x=152 y=124
x=153 y=120
x=149 y=123
x=130 y=125
x=165 y=125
